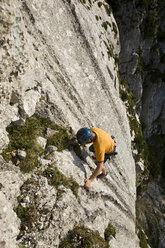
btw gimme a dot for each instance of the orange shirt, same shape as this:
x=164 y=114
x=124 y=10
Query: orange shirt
x=103 y=143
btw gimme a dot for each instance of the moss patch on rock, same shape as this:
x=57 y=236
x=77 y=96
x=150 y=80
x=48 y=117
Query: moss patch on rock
x=142 y=238
x=24 y=138
x=56 y=178
x=109 y=231
x=83 y=237
x=28 y=215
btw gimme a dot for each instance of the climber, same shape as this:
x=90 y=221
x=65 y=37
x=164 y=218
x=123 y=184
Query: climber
x=103 y=146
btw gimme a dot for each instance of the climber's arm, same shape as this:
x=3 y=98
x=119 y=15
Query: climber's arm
x=99 y=168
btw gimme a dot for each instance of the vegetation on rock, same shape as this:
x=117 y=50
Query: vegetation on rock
x=147 y=223
x=145 y=151
x=83 y=237
x=109 y=231
x=56 y=178
x=28 y=215
x=25 y=138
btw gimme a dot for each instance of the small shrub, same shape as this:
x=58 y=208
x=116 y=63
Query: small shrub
x=83 y=237
x=56 y=178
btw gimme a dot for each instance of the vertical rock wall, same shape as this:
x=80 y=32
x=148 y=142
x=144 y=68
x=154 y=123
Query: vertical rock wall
x=58 y=60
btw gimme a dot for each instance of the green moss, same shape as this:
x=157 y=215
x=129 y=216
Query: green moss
x=83 y=237
x=109 y=231
x=153 y=231
x=140 y=68
x=100 y=4
x=105 y=25
x=117 y=60
x=141 y=234
x=24 y=137
x=108 y=9
x=97 y=18
x=27 y=216
x=109 y=50
x=147 y=222
x=141 y=189
x=142 y=238
x=149 y=27
x=114 y=29
x=145 y=151
x=56 y=178
x=82 y=1
x=61 y=139
x=140 y=65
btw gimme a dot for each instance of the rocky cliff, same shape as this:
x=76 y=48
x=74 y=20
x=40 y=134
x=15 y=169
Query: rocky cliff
x=142 y=65
x=59 y=62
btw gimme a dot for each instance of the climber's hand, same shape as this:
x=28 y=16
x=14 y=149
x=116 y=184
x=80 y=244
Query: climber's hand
x=87 y=183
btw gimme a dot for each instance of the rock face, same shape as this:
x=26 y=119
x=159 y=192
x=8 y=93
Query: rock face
x=59 y=62
x=142 y=66
x=142 y=61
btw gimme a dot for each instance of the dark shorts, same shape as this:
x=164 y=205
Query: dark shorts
x=107 y=155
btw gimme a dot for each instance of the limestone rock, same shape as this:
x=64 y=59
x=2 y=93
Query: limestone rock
x=50 y=149
x=21 y=154
x=30 y=100
x=9 y=224
x=50 y=132
x=65 y=51
x=140 y=167
x=42 y=142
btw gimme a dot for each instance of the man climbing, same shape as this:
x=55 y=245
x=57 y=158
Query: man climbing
x=103 y=146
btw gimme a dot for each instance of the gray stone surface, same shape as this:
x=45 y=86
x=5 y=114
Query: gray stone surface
x=9 y=223
x=21 y=154
x=42 y=141
x=56 y=64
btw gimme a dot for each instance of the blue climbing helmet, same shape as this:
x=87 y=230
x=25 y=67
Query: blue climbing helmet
x=83 y=135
